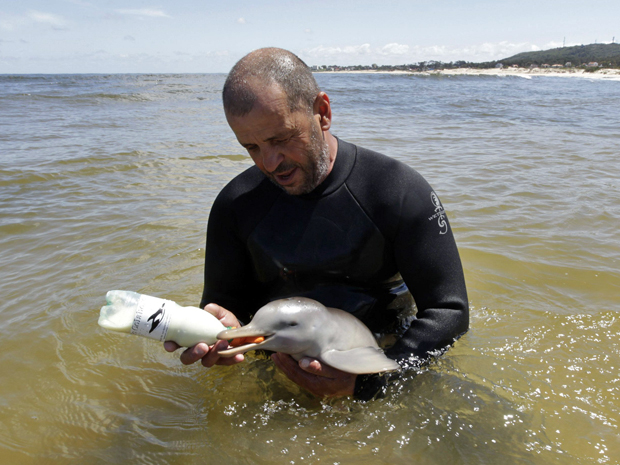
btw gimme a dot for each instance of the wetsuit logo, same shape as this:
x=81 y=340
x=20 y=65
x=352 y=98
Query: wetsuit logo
x=156 y=318
x=440 y=214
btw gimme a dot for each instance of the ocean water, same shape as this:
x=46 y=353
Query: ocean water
x=106 y=182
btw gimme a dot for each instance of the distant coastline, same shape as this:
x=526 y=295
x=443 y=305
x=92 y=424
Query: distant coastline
x=605 y=73
x=598 y=61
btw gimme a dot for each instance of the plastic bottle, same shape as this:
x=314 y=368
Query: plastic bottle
x=160 y=319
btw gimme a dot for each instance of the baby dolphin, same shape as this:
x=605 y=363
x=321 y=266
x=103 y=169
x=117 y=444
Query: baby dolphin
x=303 y=327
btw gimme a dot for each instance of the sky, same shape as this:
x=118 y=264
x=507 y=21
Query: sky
x=209 y=36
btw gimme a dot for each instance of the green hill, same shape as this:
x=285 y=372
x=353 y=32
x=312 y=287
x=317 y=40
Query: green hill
x=604 y=54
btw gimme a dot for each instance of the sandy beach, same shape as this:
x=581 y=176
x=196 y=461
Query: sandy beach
x=610 y=74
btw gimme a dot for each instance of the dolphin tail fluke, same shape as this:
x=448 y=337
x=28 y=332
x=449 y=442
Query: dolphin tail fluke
x=361 y=360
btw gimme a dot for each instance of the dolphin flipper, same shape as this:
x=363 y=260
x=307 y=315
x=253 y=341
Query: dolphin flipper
x=361 y=360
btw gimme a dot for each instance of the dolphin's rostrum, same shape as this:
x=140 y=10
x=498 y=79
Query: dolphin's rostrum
x=303 y=327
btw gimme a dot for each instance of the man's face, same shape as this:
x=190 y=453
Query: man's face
x=287 y=147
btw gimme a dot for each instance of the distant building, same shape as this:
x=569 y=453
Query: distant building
x=568 y=64
x=499 y=66
x=592 y=64
x=545 y=65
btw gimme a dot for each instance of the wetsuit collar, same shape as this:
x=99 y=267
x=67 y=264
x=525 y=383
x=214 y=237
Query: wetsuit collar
x=345 y=159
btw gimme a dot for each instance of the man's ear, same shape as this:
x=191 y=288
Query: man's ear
x=323 y=109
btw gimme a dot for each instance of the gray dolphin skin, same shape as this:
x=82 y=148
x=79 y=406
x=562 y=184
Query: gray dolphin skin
x=303 y=327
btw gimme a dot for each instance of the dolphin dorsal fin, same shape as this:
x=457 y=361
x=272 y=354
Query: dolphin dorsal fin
x=361 y=360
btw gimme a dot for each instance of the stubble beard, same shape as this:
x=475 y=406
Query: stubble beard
x=314 y=170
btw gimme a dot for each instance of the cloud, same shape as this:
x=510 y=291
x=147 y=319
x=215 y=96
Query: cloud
x=363 y=50
x=81 y=3
x=53 y=20
x=241 y=21
x=143 y=13
x=350 y=50
x=21 y=41
x=492 y=51
x=32 y=17
x=129 y=38
x=394 y=49
x=10 y=23
x=395 y=53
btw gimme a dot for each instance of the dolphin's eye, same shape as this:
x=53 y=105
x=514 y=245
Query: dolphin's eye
x=293 y=323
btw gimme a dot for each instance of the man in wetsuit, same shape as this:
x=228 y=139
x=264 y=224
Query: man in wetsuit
x=319 y=217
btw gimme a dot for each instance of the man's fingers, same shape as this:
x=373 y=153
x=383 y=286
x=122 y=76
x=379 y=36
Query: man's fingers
x=308 y=365
x=226 y=317
x=313 y=366
x=316 y=367
x=212 y=357
x=216 y=310
x=228 y=361
x=171 y=346
x=195 y=353
x=208 y=356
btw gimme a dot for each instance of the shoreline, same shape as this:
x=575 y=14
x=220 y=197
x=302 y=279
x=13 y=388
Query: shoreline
x=608 y=74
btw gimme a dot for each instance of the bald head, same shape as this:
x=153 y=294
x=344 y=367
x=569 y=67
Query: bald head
x=263 y=68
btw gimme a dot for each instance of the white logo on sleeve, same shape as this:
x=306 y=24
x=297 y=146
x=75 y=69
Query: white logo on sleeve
x=440 y=214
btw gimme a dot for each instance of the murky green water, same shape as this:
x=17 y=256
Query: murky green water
x=106 y=182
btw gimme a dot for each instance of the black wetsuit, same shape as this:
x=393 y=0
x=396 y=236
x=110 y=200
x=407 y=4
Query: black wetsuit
x=369 y=237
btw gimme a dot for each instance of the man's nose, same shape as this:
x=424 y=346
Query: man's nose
x=272 y=158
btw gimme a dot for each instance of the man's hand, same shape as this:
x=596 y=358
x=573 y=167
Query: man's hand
x=318 y=378
x=209 y=355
